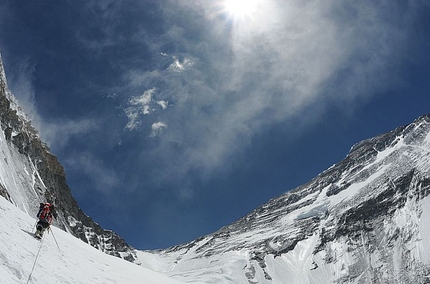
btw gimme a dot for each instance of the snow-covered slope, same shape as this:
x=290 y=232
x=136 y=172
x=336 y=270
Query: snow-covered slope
x=72 y=261
x=18 y=172
x=364 y=220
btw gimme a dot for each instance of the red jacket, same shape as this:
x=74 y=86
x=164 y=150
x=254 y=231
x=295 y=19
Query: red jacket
x=45 y=214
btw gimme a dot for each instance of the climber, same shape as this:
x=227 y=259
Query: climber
x=45 y=214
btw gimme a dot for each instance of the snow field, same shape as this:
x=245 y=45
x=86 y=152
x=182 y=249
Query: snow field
x=226 y=268
x=73 y=262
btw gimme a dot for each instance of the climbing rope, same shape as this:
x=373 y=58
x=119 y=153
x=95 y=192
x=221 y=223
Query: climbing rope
x=37 y=256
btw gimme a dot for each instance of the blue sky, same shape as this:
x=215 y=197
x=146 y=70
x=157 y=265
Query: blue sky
x=174 y=118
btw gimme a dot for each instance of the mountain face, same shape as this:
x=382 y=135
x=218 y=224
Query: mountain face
x=31 y=174
x=363 y=220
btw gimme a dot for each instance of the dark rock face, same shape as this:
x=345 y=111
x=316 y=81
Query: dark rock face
x=4 y=193
x=24 y=137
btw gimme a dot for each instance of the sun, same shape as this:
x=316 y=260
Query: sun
x=240 y=8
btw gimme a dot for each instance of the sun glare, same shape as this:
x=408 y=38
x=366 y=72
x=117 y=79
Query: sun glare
x=240 y=8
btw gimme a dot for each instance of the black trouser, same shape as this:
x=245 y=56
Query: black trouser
x=42 y=225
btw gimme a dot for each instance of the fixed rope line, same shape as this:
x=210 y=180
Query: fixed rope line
x=35 y=260
x=52 y=231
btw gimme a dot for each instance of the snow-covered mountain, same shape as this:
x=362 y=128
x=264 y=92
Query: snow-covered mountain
x=30 y=173
x=364 y=220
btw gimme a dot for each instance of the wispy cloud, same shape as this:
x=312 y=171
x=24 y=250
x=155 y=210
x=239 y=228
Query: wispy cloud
x=55 y=133
x=60 y=132
x=205 y=84
x=102 y=177
x=180 y=66
x=21 y=85
x=163 y=104
x=268 y=68
x=157 y=128
x=143 y=105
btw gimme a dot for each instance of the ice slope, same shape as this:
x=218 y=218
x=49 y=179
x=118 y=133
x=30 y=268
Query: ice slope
x=20 y=177
x=72 y=262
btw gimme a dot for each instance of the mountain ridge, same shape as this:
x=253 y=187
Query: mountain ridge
x=345 y=214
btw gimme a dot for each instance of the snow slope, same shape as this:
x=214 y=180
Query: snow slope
x=72 y=261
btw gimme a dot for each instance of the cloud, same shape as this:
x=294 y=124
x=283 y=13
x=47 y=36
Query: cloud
x=55 y=133
x=267 y=69
x=157 y=128
x=102 y=177
x=60 y=132
x=20 y=82
x=142 y=105
x=143 y=102
x=163 y=104
x=180 y=66
x=211 y=83
x=138 y=106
